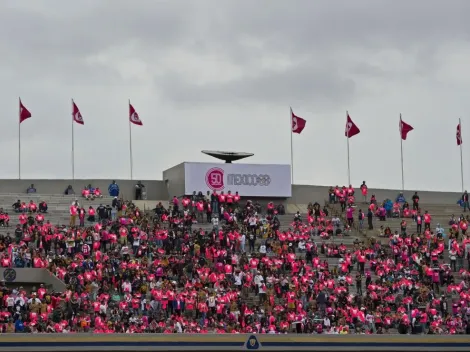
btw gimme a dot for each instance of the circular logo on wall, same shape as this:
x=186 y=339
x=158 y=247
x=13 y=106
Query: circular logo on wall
x=215 y=179
x=9 y=275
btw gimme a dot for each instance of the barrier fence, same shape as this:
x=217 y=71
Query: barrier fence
x=231 y=342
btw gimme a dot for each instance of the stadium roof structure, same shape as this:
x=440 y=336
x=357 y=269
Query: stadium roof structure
x=228 y=157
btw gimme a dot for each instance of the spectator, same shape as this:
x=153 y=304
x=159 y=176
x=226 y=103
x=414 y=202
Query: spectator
x=32 y=207
x=19 y=326
x=370 y=216
x=88 y=192
x=102 y=212
x=113 y=189
x=91 y=214
x=73 y=213
x=4 y=219
x=464 y=202
x=81 y=216
x=415 y=200
x=400 y=198
x=114 y=208
x=17 y=206
x=97 y=193
x=31 y=189
x=69 y=190
x=43 y=207
x=133 y=275
x=364 y=191
x=139 y=188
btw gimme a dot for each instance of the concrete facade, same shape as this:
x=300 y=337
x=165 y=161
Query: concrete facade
x=32 y=277
x=303 y=194
x=173 y=184
x=173 y=179
x=155 y=189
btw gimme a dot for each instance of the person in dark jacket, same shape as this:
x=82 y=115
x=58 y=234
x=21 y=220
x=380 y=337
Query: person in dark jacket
x=138 y=190
x=69 y=190
x=465 y=201
x=321 y=301
x=370 y=215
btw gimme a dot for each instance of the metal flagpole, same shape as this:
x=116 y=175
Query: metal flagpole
x=461 y=157
x=291 y=148
x=130 y=142
x=347 y=139
x=73 y=148
x=19 y=138
x=402 y=170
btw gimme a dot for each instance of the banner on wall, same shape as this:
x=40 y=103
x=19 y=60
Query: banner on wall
x=251 y=180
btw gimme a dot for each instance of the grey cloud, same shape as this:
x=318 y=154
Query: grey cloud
x=99 y=26
x=364 y=23
x=334 y=57
x=321 y=86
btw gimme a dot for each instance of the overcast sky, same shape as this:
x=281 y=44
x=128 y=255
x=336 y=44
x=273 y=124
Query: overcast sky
x=222 y=74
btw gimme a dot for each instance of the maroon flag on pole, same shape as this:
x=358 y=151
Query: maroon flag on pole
x=134 y=116
x=23 y=112
x=76 y=114
x=351 y=128
x=404 y=129
x=459 y=135
x=298 y=123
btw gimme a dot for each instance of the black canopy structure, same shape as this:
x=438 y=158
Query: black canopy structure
x=228 y=157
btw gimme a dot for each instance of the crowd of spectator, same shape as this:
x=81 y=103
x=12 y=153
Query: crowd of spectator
x=217 y=263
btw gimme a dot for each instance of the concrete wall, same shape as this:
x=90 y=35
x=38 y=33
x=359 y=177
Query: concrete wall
x=34 y=276
x=303 y=194
x=155 y=189
x=174 y=180
x=173 y=184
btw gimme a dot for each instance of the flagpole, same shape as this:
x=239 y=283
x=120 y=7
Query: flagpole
x=461 y=157
x=291 y=148
x=19 y=138
x=130 y=143
x=401 y=147
x=347 y=139
x=73 y=149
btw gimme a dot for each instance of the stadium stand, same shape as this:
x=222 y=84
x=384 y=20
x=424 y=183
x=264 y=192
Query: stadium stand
x=230 y=265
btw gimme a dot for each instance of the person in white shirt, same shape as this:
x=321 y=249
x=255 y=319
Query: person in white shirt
x=126 y=287
x=238 y=276
x=262 y=248
x=34 y=300
x=242 y=242
x=143 y=303
x=252 y=222
x=103 y=308
x=336 y=221
x=10 y=302
x=453 y=260
x=370 y=319
x=178 y=327
x=20 y=301
x=124 y=250
x=258 y=279
x=215 y=223
x=136 y=244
